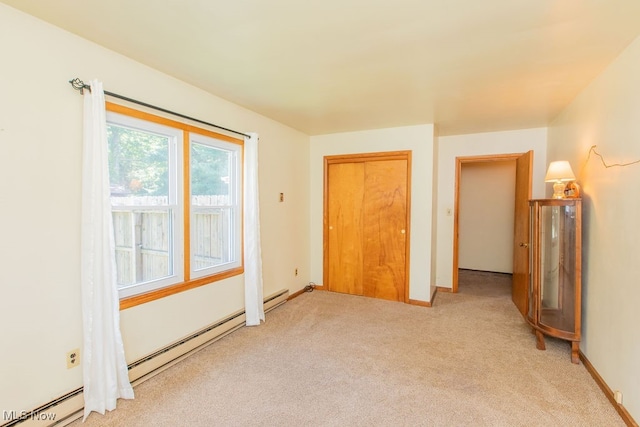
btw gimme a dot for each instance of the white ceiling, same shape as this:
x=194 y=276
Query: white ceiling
x=324 y=66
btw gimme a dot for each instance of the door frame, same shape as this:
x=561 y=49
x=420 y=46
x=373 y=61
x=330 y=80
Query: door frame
x=456 y=201
x=361 y=158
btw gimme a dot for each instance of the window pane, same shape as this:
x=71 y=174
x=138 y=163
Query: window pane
x=211 y=199
x=139 y=170
x=211 y=237
x=210 y=169
x=138 y=166
x=142 y=239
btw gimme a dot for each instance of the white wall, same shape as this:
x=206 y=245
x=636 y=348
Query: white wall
x=40 y=171
x=485 y=216
x=450 y=147
x=607 y=114
x=418 y=139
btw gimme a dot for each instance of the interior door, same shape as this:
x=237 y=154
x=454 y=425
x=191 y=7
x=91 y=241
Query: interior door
x=520 y=286
x=366 y=231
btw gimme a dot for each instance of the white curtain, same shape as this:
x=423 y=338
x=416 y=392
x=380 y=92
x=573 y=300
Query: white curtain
x=104 y=366
x=254 y=306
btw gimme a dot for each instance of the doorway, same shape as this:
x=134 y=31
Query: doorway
x=486 y=217
x=521 y=221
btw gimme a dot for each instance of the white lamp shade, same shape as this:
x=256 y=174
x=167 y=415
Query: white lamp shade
x=559 y=171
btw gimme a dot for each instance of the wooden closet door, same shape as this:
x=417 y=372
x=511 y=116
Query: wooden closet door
x=366 y=228
x=385 y=216
x=345 y=196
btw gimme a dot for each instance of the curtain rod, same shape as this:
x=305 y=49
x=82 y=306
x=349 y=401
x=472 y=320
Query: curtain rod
x=78 y=84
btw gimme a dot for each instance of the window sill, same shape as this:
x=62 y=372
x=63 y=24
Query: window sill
x=134 y=300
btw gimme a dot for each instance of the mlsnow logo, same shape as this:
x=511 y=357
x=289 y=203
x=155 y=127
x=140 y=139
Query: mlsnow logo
x=28 y=415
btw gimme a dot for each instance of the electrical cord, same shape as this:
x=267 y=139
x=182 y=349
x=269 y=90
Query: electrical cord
x=593 y=150
x=310 y=287
x=604 y=163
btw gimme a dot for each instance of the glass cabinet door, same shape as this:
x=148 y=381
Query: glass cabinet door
x=557 y=267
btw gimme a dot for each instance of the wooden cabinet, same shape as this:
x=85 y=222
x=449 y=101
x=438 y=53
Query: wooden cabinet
x=555 y=285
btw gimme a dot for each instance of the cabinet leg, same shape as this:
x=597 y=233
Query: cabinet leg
x=575 y=347
x=540 y=341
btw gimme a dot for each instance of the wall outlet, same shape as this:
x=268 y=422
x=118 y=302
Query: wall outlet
x=296 y=272
x=73 y=358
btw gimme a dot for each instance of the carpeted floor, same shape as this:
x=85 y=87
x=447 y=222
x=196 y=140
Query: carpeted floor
x=326 y=359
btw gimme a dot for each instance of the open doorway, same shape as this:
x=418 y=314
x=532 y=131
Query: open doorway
x=486 y=216
x=522 y=183
x=485 y=227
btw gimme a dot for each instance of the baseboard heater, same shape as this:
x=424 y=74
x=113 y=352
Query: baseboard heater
x=69 y=407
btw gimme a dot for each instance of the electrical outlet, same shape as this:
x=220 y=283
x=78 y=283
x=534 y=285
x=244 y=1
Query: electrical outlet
x=296 y=272
x=73 y=358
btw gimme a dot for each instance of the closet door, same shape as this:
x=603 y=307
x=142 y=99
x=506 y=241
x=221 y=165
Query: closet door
x=345 y=198
x=366 y=231
x=384 y=230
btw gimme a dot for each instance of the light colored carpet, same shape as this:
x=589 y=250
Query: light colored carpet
x=326 y=359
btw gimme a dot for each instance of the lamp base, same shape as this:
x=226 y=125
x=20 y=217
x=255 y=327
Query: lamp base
x=558 y=190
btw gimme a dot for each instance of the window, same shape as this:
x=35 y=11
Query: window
x=215 y=217
x=165 y=241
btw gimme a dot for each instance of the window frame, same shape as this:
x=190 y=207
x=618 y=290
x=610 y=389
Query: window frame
x=173 y=207
x=235 y=205
x=183 y=277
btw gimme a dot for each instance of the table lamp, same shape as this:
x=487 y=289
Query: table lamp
x=559 y=173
